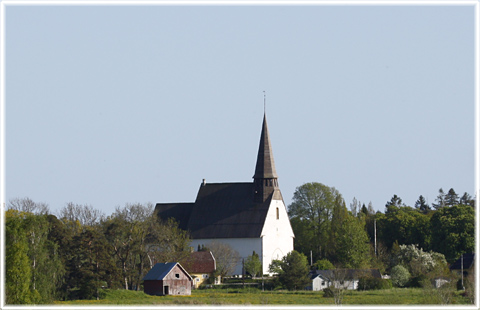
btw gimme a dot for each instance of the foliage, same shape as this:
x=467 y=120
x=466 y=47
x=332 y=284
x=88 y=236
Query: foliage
x=404 y=225
x=323 y=264
x=312 y=205
x=453 y=231
x=292 y=270
x=399 y=276
x=419 y=262
x=421 y=205
x=371 y=283
x=352 y=246
x=253 y=265
x=17 y=263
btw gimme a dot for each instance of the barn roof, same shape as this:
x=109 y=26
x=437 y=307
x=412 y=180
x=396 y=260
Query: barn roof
x=200 y=262
x=221 y=210
x=161 y=270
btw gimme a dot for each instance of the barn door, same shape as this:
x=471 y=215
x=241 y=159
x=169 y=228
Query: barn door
x=165 y=290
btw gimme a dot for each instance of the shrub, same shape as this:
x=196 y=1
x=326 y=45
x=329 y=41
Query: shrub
x=399 y=276
x=327 y=292
x=369 y=283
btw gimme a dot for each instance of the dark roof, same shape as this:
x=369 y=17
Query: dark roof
x=178 y=211
x=468 y=261
x=199 y=262
x=221 y=210
x=227 y=210
x=161 y=270
x=265 y=168
x=345 y=274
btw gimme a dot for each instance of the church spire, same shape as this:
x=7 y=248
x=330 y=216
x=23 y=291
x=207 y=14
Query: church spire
x=265 y=177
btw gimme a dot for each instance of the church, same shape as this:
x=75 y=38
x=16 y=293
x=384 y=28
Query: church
x=247 y=216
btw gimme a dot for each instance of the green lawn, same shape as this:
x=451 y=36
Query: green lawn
x=253 y=296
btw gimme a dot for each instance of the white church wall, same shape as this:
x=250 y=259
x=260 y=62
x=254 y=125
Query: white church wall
x=277 y=234
x=244 y=247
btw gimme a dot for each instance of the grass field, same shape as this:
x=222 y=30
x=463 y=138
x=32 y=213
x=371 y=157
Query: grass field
x=253 y=296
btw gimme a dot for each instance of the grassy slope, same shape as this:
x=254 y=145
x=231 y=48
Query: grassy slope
x=255 y=297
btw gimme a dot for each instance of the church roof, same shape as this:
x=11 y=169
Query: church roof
x=179 y=211
x=221 y=210
x=265 y=168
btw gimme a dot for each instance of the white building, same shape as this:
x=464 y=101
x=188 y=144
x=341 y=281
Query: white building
x=247 y=216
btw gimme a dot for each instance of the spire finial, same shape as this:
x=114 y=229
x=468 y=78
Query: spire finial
x=264 y=102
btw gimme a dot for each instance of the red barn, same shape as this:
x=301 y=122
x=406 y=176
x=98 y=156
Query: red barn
x=167 y=279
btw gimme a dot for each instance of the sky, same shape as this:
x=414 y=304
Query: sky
x=108 y=105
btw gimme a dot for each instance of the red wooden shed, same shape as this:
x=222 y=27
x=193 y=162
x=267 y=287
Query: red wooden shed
x=167 y=279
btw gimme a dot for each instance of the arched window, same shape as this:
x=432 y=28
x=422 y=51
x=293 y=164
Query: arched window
x=278 y=213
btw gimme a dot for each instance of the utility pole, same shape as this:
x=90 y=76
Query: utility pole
x=311 y=258
x=461 y=260
x=375 y=235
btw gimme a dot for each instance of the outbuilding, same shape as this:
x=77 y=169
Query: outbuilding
x=167 y=279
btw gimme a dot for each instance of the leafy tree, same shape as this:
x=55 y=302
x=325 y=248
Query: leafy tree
x=451 y=198
x=453 y=231
x=312 y=205
x=339 y=217
x=417 y=261
x=293 y=273
x=17 y=264
x=421 y=205
x=404 y=225
x=399 y=276
x=323 y=264
x=253 y=265
x=352 y=248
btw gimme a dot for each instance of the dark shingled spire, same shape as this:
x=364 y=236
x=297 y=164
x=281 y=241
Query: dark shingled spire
x=265 y=177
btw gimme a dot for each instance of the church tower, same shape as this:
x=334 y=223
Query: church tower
x=265 y=178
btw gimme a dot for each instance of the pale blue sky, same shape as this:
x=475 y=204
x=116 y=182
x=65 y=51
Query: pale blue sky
x=113 y=104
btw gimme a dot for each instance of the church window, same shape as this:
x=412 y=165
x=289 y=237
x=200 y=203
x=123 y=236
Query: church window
x=278 y=214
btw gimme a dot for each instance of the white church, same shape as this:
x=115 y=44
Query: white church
x=247 y=216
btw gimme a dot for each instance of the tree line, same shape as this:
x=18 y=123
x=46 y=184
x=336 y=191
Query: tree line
x=360 y=237
x=73 y=254
x=78 y=251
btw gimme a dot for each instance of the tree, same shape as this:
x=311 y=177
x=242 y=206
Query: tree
x=421 y=205
x=85 y=215
x=440 y=201
x=453 y=231
x=467 y=200
x=352 y=248
x=17 y=264
x=225 y=256
x=293 y=273
x=312 y=205
x=399 y=276
x=395 y=201
x=451 y=198
x=404 y=225
x=339 y=217
x=253 y=265
x=418 y=262
x=27 y=205
x=323 y=264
